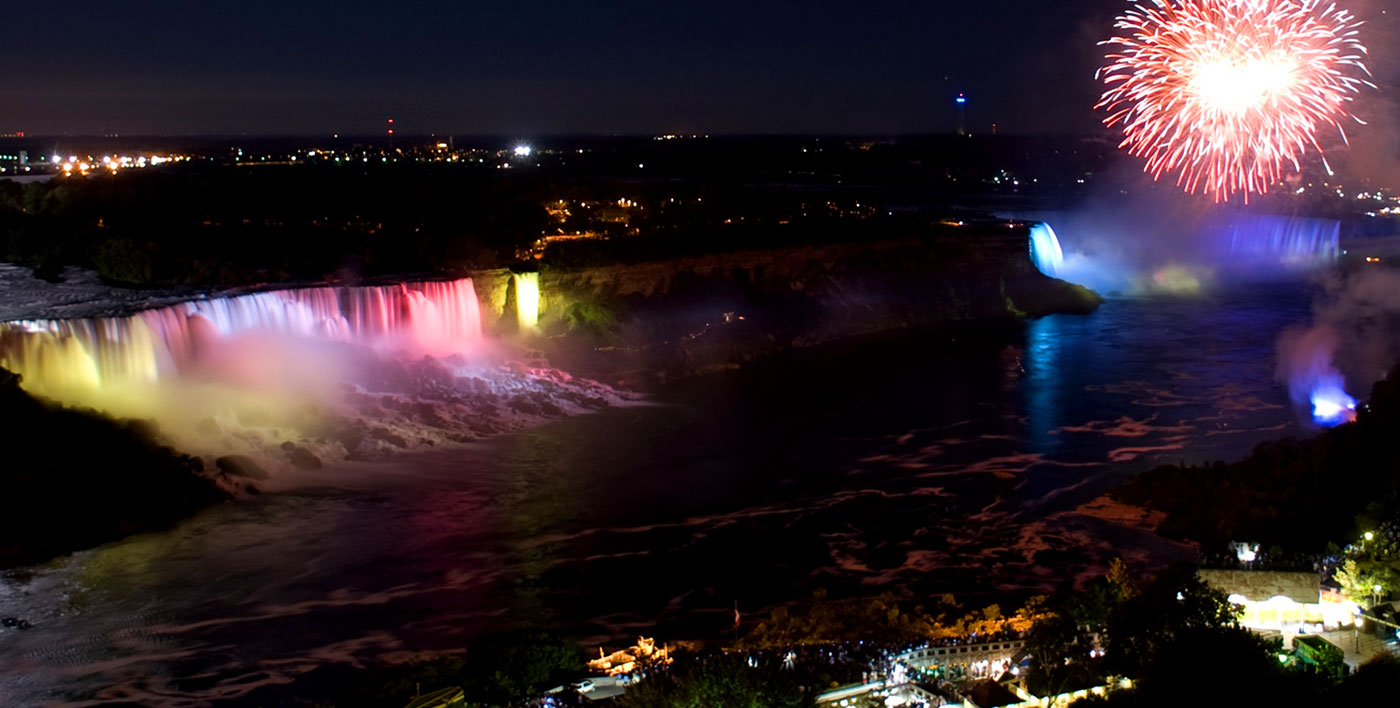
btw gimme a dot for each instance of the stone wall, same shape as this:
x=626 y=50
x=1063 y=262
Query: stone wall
x=1261 y=585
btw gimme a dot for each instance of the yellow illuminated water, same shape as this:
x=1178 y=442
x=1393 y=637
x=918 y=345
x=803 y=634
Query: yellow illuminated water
x=527 y=299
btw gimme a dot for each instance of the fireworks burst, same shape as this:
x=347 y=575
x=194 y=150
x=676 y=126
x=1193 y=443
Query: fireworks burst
x=1225 y=93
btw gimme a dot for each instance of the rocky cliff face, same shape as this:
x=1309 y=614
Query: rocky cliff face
x=691 y=315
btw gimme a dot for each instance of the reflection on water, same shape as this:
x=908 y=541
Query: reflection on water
x=918 y=464
x=1042 y=382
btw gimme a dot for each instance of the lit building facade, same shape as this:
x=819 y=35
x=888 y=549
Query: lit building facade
x=1282 y=601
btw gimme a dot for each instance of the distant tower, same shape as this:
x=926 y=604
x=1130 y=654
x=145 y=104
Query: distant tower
x=961 y=100
x=391 y=133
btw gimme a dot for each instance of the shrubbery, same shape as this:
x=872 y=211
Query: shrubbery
x=1297 y=494
x=498 y=670
x=230 y=225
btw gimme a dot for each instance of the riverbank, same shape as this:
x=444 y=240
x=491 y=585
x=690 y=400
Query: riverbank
x=1302 y=495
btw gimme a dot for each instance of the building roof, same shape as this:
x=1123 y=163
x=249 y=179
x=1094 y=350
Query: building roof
x=1262 y=585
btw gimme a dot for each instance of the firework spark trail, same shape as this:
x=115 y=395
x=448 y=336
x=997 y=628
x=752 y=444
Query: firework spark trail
x=1226 y=92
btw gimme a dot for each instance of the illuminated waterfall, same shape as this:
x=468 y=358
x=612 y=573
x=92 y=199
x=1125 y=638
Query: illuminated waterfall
x=1045 y=250
x=1281 y=240
x=527 y=299
x=438 y=318
x=443 y=317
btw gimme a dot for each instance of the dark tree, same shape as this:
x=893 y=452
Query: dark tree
x=73 y=479
x=728 y=681
x=502 y=668
x=1174 y=603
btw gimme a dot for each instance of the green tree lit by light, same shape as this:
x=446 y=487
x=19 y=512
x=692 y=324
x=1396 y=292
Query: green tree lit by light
x=1370 y=568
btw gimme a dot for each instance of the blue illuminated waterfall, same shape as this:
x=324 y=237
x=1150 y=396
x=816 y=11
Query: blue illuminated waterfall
x=1278 y=240
x=1046 y=252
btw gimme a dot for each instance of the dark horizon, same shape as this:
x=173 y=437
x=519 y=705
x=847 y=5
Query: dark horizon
x=562 y=136
x=545 y=68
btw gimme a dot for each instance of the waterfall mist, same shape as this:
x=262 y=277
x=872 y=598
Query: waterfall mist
x=1134 y=237
x=1353 y=341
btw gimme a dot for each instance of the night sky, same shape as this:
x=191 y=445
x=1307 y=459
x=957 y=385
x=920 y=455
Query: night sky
x=530 y=67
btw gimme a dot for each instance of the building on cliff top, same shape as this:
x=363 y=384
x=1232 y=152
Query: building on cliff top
x=1285 y=602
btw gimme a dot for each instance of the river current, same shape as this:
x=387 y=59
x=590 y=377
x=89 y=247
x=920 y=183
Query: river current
x=918 y=464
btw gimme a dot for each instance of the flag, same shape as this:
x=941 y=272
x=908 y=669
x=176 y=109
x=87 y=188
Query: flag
x=736 y=615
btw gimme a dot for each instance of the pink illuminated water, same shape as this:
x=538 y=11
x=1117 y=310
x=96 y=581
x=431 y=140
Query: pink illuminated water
x=438 y=318
x=444 y=318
